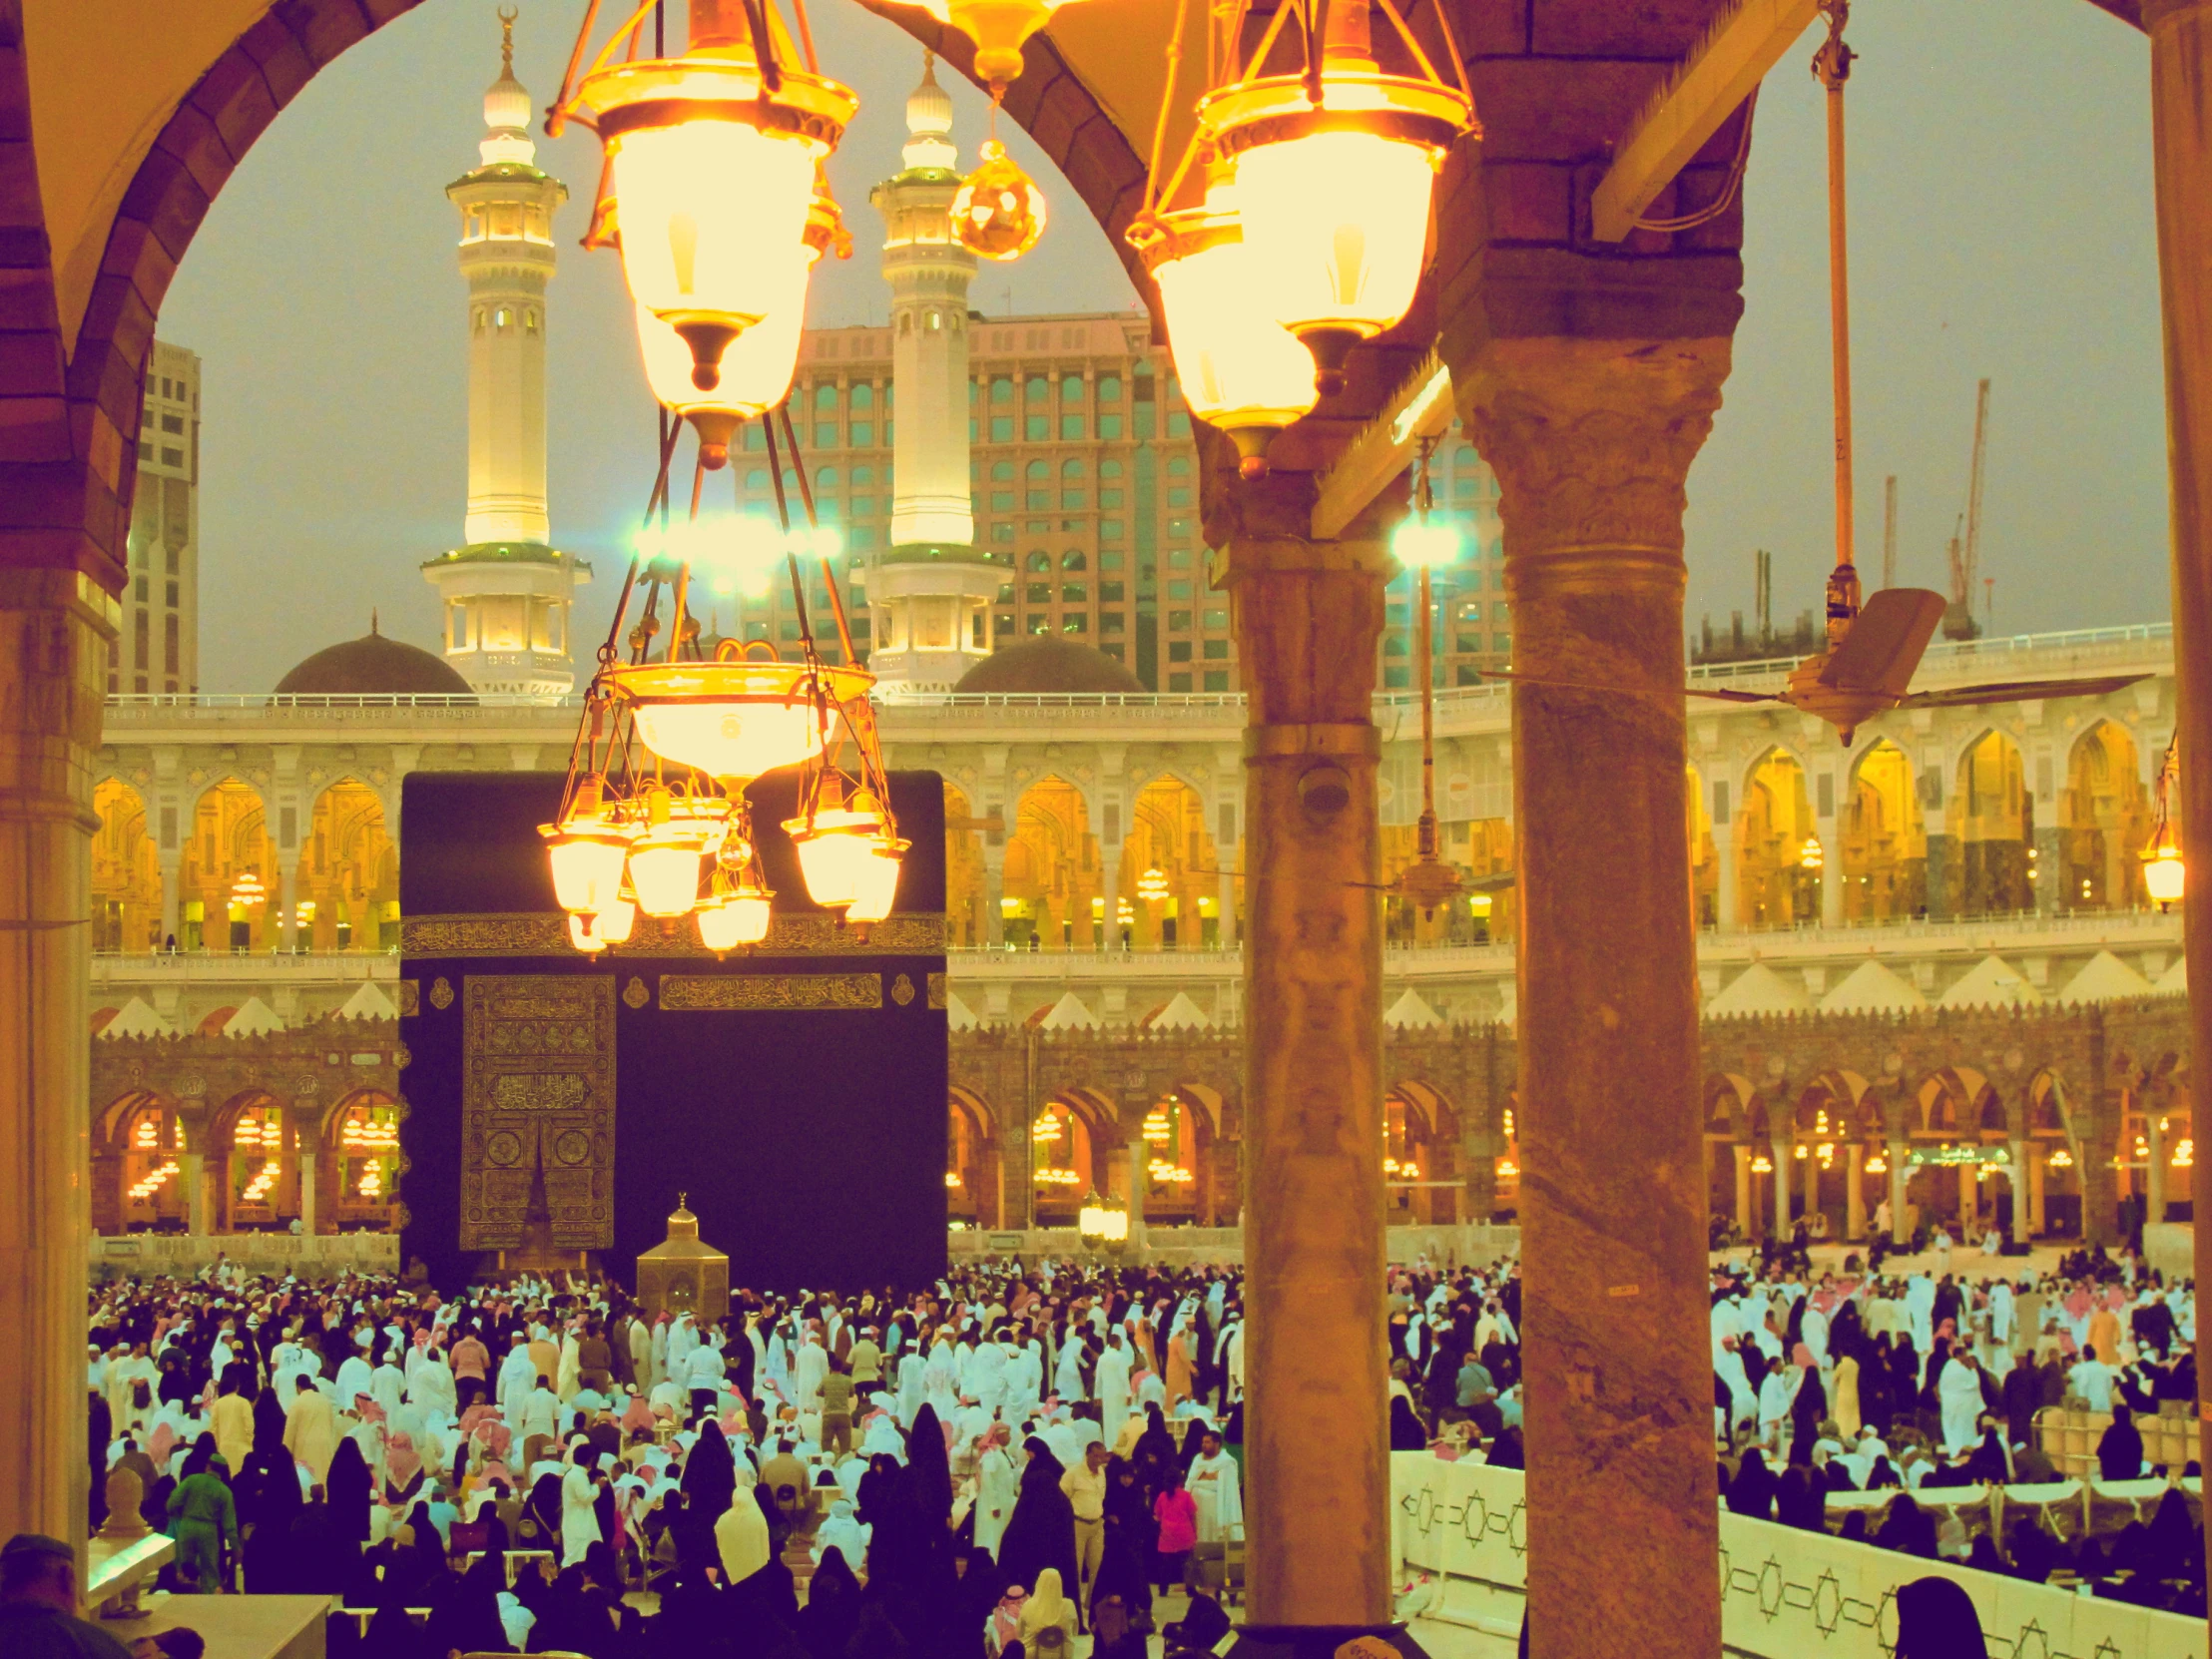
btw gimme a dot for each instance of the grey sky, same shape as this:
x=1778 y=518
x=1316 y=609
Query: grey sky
x=2001 y=225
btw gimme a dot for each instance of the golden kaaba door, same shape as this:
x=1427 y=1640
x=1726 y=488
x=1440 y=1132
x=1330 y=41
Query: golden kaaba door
x=538 y=1103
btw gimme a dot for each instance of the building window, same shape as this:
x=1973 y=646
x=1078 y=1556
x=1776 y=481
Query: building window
x=1005 y=623
x=1109 y=428
x=1040 y=624
x=171 y=595
x=1113 y=651
x=1179 y=590
x=1109 y=498
x=1037 y=428
x=1073 y=559
x=1076 y=622
x=1071 y=428
x=1039 y=560
x=1217 y=678
x=169 y=643
x=1179 y=621
x=1179 y=683
x=1109 y=593
x=861 y=397
x=1040 y=593
x=1002 y=532
x=1002 y=428
x=1075 y=593
x=1109 y=388
x=172 y=423
x=1112 y=622
x=1109 y=529
x=1179 y=495
x=172 y=457
x=1002 y=501
x=1179 y=651
x=864 y=435
x=1215 y=649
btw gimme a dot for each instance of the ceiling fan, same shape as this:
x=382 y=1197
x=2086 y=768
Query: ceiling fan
x=1868 y=667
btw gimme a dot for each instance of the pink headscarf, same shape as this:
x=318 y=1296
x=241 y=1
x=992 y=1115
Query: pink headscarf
x=1802 y=1357
x=401 y=1461
x=639 y=1415
x=159 y=1444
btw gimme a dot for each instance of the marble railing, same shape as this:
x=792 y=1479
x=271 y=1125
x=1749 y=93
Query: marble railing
x=177 y=1255
x=1199 y=1245
x=1784 y=1593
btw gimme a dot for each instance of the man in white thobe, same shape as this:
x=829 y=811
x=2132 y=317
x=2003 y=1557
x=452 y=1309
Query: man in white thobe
x=1112 y=1386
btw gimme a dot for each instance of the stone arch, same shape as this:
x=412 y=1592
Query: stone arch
x=358 y=1175
x=136 y=1137
x=1728 y=1099
x=1775 y=887
x=1167 y=833
x=2104 y=819
x=94 y=390
x=1051 y=872
x=227 y=855
x=346 y=893
x=1991 y=820
x=252 y=1115
x=1705 y=874
x=1884 y=839
x=126 y=872
x=1434 y=1147
x=973 y=1158
x=965 y=889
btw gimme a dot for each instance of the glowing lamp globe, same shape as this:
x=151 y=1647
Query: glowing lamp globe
x=664 y=867
x=2164 y=873
x=615 y=922
x=1334 y=202
x=587 y=857
x=999 y=28
x=713 y=179
x=836 y=850
x=584 y=936
x=877 y=887
x=1424 y=546
x=1241 y=370
x=735 y=718
x=998 y=211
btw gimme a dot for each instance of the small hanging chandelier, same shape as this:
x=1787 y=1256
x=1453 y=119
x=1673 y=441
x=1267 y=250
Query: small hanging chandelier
x=711 y=188
x=654 y=816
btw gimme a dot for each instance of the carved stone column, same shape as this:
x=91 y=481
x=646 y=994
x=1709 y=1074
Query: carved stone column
x=1592 y=441
x=1308 y=617
x=1854 y=1194
x=55 y=626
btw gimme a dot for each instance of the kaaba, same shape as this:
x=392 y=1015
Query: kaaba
x=558 y=1102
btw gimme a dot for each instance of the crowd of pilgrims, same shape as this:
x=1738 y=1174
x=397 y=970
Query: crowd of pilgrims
x=1835 y=1383
x=1010 y=1458
x=985 y=1468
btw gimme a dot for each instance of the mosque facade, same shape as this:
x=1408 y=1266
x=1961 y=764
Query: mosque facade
x=1935 y=937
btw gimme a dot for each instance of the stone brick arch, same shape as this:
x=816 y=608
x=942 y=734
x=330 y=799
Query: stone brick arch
x=975 y=1154
x=69 y=474
x=1728 y=1099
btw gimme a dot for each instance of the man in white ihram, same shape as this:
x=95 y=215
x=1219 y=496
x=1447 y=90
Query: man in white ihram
x=1213 y=1483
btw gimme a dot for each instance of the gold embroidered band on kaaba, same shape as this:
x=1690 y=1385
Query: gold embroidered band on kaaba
x=770 y=990
x=546 y=935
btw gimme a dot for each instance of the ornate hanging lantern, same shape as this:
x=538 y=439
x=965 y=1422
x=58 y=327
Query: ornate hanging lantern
x=1241 y=369
x=1335 y=166
x=712 y=159
x=2164 y=873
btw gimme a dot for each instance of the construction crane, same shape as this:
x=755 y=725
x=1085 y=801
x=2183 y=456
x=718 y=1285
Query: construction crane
x=1966 y=545
x=1889 y=531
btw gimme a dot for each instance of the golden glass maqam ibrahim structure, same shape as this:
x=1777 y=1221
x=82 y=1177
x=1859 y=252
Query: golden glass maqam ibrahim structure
x=683 y=1274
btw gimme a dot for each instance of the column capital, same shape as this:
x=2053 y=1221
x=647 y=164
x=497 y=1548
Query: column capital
x=1592 y=439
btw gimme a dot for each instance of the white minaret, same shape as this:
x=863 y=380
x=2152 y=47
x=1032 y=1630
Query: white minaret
x=507 y=592
x=931 y=591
